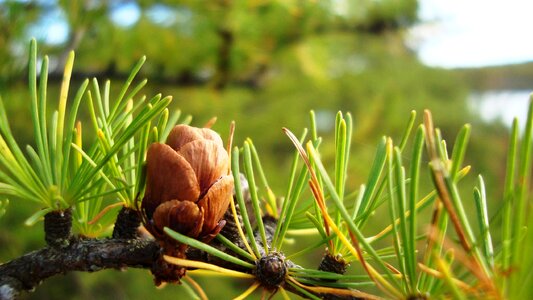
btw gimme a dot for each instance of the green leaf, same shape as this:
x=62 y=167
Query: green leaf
x=459 y=151
x=372 y=182
x=345 y=216
x=240 y=200
x=36 y=217
x=291 y=198
x=248 y=169
x=213 y=251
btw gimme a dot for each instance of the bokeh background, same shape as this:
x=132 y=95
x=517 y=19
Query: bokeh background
x=266 y=64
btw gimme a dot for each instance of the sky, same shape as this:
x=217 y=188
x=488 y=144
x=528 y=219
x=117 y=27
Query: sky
x=473 y=33
x=476 y=33
x=452 y=33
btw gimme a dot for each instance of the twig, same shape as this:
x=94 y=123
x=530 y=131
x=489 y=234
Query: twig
x=86 y=255
x=90 y=255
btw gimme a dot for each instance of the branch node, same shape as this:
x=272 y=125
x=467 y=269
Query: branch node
x=128 y=220
x=271 y=270
x=57 y=226
x=333 y=263
x=165 y=272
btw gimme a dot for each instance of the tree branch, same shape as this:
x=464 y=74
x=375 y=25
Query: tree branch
x=91 y=255
x=86 y=255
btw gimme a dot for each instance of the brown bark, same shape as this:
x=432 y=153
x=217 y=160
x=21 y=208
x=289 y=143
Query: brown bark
x=90 y=255
x=86 y=255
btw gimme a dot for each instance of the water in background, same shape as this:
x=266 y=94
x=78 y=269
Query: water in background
x=503 y=105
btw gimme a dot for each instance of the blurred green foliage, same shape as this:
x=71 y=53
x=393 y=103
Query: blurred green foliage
x=262 y=63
